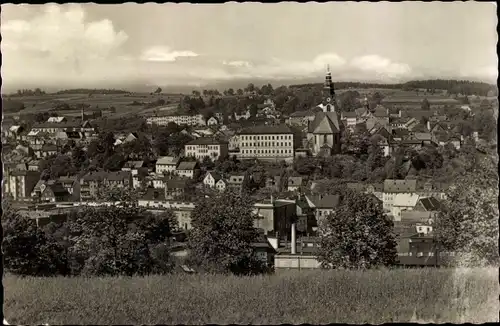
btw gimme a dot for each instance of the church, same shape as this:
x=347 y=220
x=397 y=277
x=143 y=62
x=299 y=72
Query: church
x=323 y=133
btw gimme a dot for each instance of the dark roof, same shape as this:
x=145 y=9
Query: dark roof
x=69 y=124
x=325 y=123
x=206 y=141
x=49 y=148
x=399 y=186
x=356 y=186
x=301 y=114
x=111 y=176
x=57 y=189
x=294 y=181
x=325 y=201
x=417 y=114
x=266 y=129
x=349 y=114
x=187 y=165
x=380 y=111
x=176 y=183
x=430 y=203
x=216 y=175
x=154 y=194
x=400 y=132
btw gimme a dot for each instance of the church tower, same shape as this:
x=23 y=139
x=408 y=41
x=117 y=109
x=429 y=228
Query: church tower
x=329 y=98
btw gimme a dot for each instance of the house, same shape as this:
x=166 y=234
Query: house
x=211 y=179
x=123 y=139
x=234 y=142
x=402 y=202
x=222 y=185
x=187 y=169
x=246 y=115
x=263 y=250
x=34 y=165
x=235 y=182
x=394 y=187
x=56 y=119
x=212 y=121
x=92 y=182
x=428 y=204
x=47 y=150
x=295 y=183
x=350 y=118
x=134 y=167
x=189 y=120
x=274 y=215
x=301 y=118
x=158 y=181
x=71 y=185
x=266 y=142
x=207 y=147
x=175 y=188
x=166 y=164
x=19 y=184
x=323 y=205
x=54 y=192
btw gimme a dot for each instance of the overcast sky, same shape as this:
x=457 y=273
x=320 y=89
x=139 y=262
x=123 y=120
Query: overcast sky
x=185 y=43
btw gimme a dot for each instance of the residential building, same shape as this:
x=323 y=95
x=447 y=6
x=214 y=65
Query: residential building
x=187 y=169
x=301 y=118
x=428 y=204
x=234 y=142
x=166 y=164
x=403 y=202
x=274 y=216
x=267 y=142
x=295 y=183
x=19 y=184
x=207 y=147
x=394 y=187
x=222 y=185
x=71 y=185
x=323 y=205
x=211 y=179
x=212 y=121
x=235 y=182
x=349 y=118
x=92 y=182
x=176 y=188
x=134 y=167
x=190 y=120
x=54 y=192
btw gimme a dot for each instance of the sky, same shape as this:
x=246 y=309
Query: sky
x=192 y=44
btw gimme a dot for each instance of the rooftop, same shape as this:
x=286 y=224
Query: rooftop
x=400 y=186
x=266 y=129
x=206 y=141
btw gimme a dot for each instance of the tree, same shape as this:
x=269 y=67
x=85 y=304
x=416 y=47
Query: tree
x=222 y=234
x=239 y=91
x=426 y=105
x=230 y=91
x=357 y=235
x=27 y=250
x=468 y=221
x=118 y=240
x=158 y=90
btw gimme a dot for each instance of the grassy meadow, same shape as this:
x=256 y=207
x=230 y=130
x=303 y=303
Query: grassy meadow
x=316 y=297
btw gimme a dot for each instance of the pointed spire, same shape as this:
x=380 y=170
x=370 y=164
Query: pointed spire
x=328 y=68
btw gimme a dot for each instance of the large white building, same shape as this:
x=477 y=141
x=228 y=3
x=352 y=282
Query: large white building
x=267 y=142
x=207 y=147
x=190 y=120
x=392 y=188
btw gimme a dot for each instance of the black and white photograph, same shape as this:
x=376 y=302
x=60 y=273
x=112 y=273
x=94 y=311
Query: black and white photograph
x=250 y=163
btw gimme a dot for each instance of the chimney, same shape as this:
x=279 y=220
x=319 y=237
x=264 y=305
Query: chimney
x=294 y=240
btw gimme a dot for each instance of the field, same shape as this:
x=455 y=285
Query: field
x=121 y=102
x=316 y=297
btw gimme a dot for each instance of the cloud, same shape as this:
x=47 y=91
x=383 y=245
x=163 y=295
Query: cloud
x=380 y=66
x=164 y=54
x=60 y=35
x=237 y=63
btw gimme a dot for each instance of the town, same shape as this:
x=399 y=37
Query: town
x=398 y=148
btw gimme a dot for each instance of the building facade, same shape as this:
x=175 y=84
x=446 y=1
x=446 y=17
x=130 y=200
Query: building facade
x=267 y=142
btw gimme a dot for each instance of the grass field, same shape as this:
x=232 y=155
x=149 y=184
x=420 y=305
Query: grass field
x=121 y=102
x=316 y=297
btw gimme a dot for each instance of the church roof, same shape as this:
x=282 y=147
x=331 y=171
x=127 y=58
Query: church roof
x=325 y=123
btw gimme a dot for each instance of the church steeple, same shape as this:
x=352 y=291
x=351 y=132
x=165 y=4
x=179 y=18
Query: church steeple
x=329 y=91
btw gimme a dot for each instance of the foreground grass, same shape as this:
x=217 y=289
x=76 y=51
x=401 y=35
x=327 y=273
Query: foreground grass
x=315 y=297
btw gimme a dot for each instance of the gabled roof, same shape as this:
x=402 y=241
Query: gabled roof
x=236 y=179
x=430 y=203
x=325 y=201
x=133 y=164
x=187 y=166
x=266 y=129
x=346 y=115
x=406 y=200
x=176 y=183
x=302 y=114
x=167 y=160
x=154 y=194
x=399 y=186
x=206 y=141
x=294 y=181
x=325 y=123
x=216 y=175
